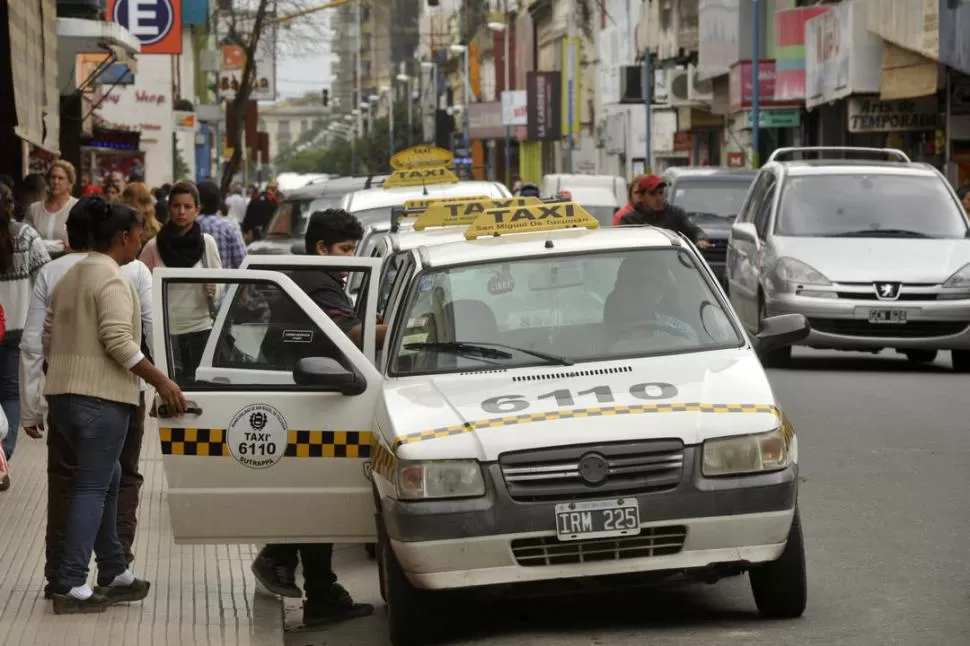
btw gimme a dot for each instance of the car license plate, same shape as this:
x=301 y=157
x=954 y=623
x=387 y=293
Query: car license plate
x=887 y=316
x=576 y=521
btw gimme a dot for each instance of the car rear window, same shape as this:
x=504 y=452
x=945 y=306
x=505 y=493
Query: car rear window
x=722 y=197
x=860 y=205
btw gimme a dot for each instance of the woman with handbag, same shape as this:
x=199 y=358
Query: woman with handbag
x=181 y=243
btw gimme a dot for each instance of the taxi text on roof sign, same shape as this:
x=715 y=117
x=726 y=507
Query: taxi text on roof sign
x=426 y=202
x=420 y=177
x=525 y=219
x=421 y=157
x=449 y=214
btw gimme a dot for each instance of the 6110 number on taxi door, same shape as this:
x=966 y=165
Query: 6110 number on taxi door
x=651 y=390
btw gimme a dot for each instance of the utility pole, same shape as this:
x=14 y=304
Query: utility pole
x=570 y=85
x=358 y=97
x=755 y=86
x=390 y=121
x=508 y=129
x=468 y=87
x=648 y=106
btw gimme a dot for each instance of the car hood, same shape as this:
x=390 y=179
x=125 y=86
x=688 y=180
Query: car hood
x=448 y=409
x=865 y=260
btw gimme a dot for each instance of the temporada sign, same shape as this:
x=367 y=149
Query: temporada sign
x=874 y=115
x=544 y=92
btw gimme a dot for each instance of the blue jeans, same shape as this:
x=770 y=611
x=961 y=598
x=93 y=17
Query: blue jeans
x=10 y=392
x=95 y=429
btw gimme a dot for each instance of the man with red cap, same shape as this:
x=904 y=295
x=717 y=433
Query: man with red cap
x=652 y=209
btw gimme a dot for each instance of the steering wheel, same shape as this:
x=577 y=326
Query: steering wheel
x=653 y=326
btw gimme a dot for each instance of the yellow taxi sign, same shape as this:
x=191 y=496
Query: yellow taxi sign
x=421 y=157
x=450 y=214
x=420 y=177
x=428 y=201
x=547 y=216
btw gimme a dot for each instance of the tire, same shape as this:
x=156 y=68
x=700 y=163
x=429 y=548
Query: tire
x=780 y=587
x=960 y=360
x=921 y=356
x=408 y=607
x=778 y=358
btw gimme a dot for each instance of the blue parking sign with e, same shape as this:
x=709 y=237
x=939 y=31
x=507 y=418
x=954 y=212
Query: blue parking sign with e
x=150 y=21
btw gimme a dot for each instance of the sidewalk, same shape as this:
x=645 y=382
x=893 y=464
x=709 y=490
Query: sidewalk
x=200 y=594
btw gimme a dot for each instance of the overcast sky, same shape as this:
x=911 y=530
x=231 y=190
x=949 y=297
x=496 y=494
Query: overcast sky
x=298 y=74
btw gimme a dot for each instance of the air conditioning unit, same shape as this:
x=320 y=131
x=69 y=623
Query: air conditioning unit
x=699 y=91
x=678 y=87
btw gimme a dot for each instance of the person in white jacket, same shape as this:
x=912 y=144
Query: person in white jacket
x=60 y=457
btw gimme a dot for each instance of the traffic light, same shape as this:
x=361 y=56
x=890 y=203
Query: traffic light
x=326 y=97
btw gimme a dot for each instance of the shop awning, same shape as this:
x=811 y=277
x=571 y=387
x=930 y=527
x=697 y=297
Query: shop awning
x=77 y=36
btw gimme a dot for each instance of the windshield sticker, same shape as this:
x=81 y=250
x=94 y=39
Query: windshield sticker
x=500 y=285
x=297 y=336
x=257 y=436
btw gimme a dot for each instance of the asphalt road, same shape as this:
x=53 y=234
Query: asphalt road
x=885 y=464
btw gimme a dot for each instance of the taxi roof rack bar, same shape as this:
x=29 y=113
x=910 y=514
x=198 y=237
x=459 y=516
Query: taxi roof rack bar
x=899 y=155
x=398 y=212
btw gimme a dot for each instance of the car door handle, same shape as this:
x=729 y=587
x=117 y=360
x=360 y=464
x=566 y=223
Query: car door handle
x=191 y=409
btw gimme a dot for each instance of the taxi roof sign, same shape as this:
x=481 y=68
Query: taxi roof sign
x=421 y=157
x=428 y=201
x=420 y=177
x=547 y=216
x=465 y=212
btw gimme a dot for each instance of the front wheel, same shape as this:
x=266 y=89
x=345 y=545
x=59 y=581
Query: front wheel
x=961 y=360
x=781 y=587
x=921 y=356
x=408 y=607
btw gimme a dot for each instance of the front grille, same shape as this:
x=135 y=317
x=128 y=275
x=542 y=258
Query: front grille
x=910 y=330
x=871 y=296
x=553 y=474
x=548 y=550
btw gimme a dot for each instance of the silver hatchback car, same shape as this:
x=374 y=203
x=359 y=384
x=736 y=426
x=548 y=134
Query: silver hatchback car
x=875 y=254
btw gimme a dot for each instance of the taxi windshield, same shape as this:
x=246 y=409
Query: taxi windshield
x=559 y=310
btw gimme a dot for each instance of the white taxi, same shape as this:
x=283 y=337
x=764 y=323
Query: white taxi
x=553 y=401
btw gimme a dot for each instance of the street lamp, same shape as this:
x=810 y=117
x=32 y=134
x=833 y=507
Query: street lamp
x=463 y=49
x=390 y=119
x=405 y=78
x=499 y=27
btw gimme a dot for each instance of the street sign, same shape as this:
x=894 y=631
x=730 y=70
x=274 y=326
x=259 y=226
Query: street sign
x=786 y=118
x=156 y=23
x=421 y=157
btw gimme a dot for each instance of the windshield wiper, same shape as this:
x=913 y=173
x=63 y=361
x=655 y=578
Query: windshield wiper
x=484 y=349
x=879 y=233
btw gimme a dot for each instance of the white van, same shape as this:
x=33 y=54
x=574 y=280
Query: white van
x=601 y=195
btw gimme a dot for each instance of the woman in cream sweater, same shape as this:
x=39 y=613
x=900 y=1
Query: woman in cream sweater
x=92 y=344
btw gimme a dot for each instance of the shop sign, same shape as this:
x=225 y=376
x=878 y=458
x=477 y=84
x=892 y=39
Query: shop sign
x=741 y=84
x=544 y=91
x=184 y=121
x=786 y=118
x=873 y=115
x=157 y=24
x=841 y=56
x=515 y=108
x=234 y=62
x=790 y=51
x=144 y=96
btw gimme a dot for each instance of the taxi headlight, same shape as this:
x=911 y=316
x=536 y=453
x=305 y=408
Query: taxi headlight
x=439 y=479
x=746 y=454
x=961 y=278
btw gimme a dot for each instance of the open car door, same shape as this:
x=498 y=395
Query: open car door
x=280 y=453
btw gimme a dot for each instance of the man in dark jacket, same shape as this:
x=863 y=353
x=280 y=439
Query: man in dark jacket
x=651 y=209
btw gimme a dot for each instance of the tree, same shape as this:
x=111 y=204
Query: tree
x=248 y=22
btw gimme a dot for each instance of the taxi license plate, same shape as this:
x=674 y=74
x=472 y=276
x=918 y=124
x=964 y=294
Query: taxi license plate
x=887 y=316
x=576 y=521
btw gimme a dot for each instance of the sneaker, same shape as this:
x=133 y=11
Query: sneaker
x=339 y=607
x=135 y=591
x=49 y=591
x=277 y=579
x=4 y=483
x=66 y=604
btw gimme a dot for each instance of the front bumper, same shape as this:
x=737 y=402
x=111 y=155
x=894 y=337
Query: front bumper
x=493 y=539
x=843 y=323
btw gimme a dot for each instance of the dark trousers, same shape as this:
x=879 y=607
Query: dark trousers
x=61 y=469
x=95 y=429
x=187 y=355
x=10 y=391
x=317 y=558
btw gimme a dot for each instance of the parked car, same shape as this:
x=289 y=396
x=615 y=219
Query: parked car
x=712 y=198
x=874 y=253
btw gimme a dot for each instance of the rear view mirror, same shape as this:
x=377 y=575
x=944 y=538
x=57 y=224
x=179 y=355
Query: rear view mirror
x=328 y=374
x=781 y=332
x=745 y=232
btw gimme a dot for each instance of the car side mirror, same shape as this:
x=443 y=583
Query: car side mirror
x=298 y=249
x=781 y=331
x=327 y=373
x=745 y=232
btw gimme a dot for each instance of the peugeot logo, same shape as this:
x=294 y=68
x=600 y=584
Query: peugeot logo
x=593 y=468
x=887 y=291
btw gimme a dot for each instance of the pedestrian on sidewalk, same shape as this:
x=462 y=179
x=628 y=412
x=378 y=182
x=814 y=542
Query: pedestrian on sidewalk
x=333 y=232
x=232 y=249
x=138 y=196
x=91 y=340
x=22 y=254
x=181 y=242
x=49 y=217
x=61 y=461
